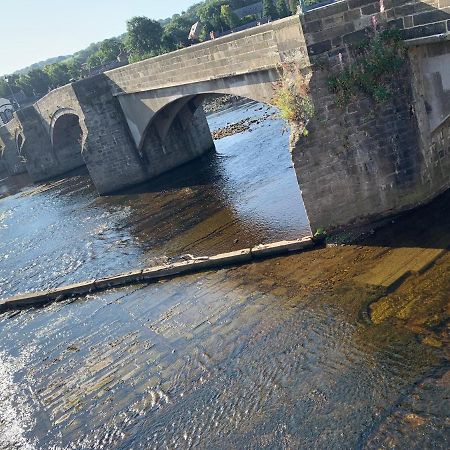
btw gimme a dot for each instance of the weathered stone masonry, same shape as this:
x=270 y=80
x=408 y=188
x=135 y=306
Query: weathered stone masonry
x=369 y=160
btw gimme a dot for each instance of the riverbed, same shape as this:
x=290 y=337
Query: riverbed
x=288 y=353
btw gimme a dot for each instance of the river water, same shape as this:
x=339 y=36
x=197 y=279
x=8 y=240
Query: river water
x=245 y=193
x=268 y=355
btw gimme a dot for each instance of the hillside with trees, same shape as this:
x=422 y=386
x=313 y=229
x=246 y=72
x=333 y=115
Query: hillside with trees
x=144 y=38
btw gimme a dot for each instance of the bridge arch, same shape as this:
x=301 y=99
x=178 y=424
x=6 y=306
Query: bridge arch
x=141 y=108
x=164 y=117
x=67 y=137
x=178 y=133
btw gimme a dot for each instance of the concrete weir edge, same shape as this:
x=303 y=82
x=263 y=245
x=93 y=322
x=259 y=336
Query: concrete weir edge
x=157 y=273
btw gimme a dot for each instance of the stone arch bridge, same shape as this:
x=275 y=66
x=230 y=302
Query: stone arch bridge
x=359 y=163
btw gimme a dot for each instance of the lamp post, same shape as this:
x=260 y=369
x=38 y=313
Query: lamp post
x=12 y=93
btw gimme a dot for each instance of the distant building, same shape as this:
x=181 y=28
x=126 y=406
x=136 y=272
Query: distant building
x=256 y=9
x=6 y=111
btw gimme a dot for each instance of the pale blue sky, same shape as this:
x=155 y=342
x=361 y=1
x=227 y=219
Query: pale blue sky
x=34 y=30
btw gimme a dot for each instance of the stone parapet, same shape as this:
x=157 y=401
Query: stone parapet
x=330 y=28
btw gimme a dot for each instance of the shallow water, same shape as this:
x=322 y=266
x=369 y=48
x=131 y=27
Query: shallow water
x=244 y=193
x=278 y=354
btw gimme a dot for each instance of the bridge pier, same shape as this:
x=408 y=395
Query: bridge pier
x=188 y=136
x=9 y=150
x=40 y=161
x=110 y=155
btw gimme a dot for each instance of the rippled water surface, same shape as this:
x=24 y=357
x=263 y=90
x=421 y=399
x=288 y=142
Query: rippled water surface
x=269 y=355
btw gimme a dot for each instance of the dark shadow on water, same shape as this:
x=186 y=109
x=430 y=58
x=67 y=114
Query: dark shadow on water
x=202 y=171
x=425 y=227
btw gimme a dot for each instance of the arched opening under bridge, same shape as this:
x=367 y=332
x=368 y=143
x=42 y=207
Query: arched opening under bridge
x=67 y=139
x=246 y=191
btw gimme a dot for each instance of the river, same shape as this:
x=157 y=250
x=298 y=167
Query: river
x=278 y=354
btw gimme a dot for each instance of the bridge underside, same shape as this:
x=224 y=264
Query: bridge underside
x=161 y=106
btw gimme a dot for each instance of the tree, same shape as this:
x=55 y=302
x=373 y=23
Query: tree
x=176 y=32
x=144 y=37
x=35 y=82
x=58 y=74
x=11 y=85
x=282 y=9
x=293 y=5
x=269 y=9
x=74 y=68
x=109 y=50
x=210 y=16
x=229 y=17
x=94 y=61
x=248 y=19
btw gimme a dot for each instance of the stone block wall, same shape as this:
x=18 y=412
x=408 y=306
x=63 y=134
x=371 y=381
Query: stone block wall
x=40 y=160
x=108 y=150
x=432 y=63
x=43 y=161
x=366 y=160
x=259 y=48
x=10 y=154
x=360 y=162
x=330 y=28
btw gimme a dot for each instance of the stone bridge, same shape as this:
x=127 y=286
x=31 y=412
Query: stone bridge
x=357 y=164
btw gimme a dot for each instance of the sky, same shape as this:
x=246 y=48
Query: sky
x=34 y=30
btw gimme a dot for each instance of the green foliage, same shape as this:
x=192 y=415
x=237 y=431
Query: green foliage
x=376 y=63
x=176 y=31
x=58 y=74
x=229 y=17
x=4 y=91
x=248 y=19
x=293 y=5
x=74 y=68
x=293 y=100
x=320 y=235
x=269 y=9
x=11 y=85
x=36 y=82
x=210 y=16
x=93 y=60
x=311 y=2
x=109 y=50
x=144 y=37
x=282 y=9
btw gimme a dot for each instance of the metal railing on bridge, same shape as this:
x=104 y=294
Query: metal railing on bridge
x=308 y=5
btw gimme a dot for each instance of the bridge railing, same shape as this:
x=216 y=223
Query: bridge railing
x=308 y=5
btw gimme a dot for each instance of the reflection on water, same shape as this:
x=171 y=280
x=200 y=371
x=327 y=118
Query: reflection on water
x=243 y=194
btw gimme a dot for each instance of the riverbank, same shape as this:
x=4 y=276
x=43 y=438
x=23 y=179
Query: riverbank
x=242 y=126
x=218 y=102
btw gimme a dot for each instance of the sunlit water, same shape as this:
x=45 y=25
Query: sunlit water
x=246 y=193
x=238 y=358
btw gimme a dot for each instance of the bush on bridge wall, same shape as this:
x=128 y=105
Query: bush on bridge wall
x=292 y=97
x=373 y=65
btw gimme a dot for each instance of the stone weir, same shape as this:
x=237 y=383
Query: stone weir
x=158 y=273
